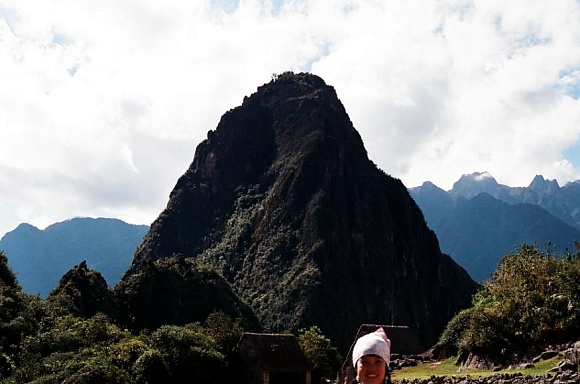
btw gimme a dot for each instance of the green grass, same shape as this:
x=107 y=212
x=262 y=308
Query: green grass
x=449 y=368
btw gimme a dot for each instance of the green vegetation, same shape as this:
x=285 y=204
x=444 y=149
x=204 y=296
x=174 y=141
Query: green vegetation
x=63 y=340
x=449 y=367
x=319 y=350
x=7 y=277
x=533 y=299
x=68 y=349
x=177 y=290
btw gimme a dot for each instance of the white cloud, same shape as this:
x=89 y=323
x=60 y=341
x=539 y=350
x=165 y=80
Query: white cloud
x=459 y=87
x=103 y=103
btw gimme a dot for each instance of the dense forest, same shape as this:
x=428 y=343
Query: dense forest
x=80 y=333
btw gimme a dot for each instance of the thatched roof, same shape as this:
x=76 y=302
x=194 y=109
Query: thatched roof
x=273 y=352
x=403 y=339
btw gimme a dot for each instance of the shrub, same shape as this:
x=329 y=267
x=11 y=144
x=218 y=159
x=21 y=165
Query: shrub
x=190 y=353
x=150 y=367
x=533 y=298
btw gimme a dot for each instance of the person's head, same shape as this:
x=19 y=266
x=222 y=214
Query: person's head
x=371 y=356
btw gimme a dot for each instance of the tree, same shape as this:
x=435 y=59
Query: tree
x=190 y=353
x=225 y=331
x=7 y=276
x=320 y=352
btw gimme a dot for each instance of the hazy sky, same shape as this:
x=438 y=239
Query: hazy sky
x=102 y=103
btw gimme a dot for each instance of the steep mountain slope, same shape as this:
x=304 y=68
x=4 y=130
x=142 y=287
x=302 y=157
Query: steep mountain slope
x=478 y=229
x=435 y=203
x=40 y=257
x=283 y=199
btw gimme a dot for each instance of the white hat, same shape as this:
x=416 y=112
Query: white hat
x=376 y=343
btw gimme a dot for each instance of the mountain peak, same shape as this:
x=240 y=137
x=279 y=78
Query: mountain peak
x=289 y=87
x=84 y=290
x=428 y=185
x=283 y=200
x=472 y=184
x=541 y=185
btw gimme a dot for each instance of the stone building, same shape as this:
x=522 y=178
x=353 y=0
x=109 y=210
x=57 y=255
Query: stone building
x=270 y=359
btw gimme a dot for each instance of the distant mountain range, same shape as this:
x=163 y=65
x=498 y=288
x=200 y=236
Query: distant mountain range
x=41 y=257
x=479 y=220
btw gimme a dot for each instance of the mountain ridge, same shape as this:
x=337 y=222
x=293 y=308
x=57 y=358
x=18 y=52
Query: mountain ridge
x=479 y=220
x=563 y=202
x=40 y=257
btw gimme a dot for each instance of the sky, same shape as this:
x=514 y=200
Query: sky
x=102 y=103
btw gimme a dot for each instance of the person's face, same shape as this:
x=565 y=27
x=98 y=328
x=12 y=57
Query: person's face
x=371 y=369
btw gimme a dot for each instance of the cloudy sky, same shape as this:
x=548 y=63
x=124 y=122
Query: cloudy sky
x=102 y=103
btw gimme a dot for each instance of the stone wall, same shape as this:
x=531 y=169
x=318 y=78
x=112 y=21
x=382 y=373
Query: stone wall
x=568 y=377
x=566 y=371
x=573 y=353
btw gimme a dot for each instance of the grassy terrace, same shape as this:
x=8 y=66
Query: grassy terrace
x=448 y=368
